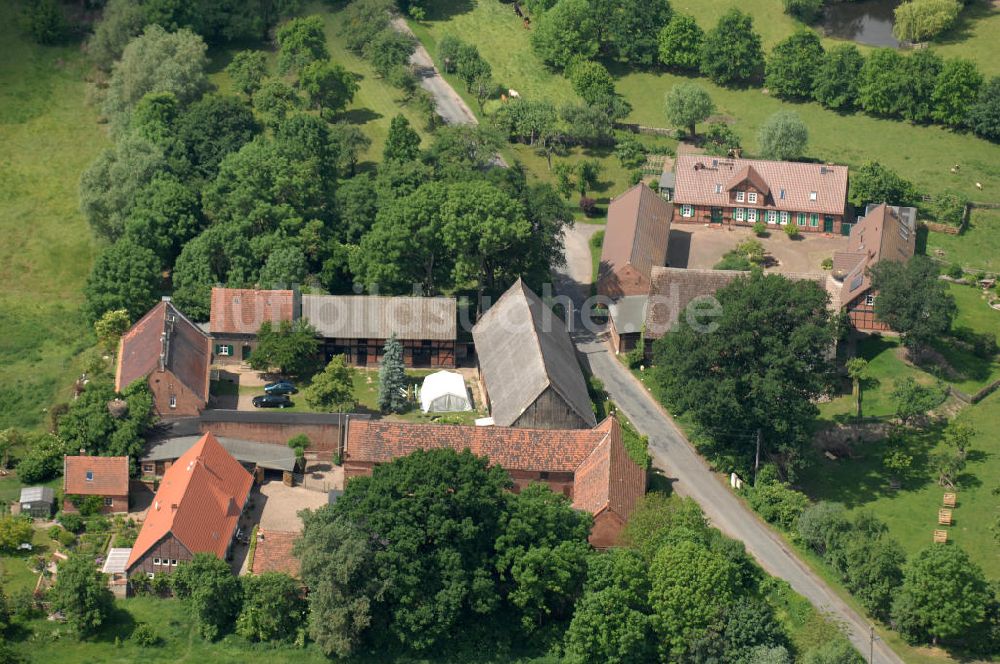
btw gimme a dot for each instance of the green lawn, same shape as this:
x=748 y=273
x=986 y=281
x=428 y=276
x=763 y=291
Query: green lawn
x=49 y=136
x=977 y=248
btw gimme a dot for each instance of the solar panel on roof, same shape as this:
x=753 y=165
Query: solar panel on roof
x=856 y=281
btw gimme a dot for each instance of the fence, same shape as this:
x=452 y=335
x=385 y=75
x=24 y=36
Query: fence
x=978 y=396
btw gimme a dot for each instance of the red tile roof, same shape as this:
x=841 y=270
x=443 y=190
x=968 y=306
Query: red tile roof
x=637 y=231
x=164 y=332
x=108 y=476
x=707 y=181
x=242 y=310
x=604 y=476
x=273 y=552
x=199 y=501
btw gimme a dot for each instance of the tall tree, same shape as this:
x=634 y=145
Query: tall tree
x=920 y=20
x=943 y=596
x=591 y=80
x=912 y=300
x=124 y=276
x=402 y=142
x=81 y=594
x=883 y=84
x=214 y=594
x=984 y=114
x=958 y=82
x=121 y=21
x=273 y=607
x=732 y=54
x=301 y=41
x=274 y=101
x=157 y=61
x=110 y=327
x=166 y=215
x=836 y=80
x=332 y=389
x=923 y=69
x=687 y=104
x=213 y=127
x=783 y=136
x=756 y=362
x=680 y=43
x=565 y=32
x=632 y=27
x=247 y=70
x=392 y=389
x=329 y=86
x=290 y=347
x=874 y=183
x=793 y=64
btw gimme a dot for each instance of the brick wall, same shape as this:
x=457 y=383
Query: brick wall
x=164 y=384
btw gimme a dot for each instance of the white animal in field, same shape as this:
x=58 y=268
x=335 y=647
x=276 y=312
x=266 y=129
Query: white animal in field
x=513 y=94
x=979 y=185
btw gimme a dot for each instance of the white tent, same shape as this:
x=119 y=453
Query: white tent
x=444 y=392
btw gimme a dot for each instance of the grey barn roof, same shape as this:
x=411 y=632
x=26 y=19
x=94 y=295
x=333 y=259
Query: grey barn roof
x=374 y=317
x=37 y=494
x=524 y=348
x=265 y=455
x=629 y=313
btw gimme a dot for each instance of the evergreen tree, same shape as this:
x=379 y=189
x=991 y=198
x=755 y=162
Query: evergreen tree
x=392 y=378
x=402 y=143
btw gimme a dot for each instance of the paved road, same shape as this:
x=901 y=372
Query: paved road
x=450 y=105
x=675 y=456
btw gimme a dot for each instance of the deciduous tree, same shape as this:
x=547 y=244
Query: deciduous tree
x=958 y=82
x=247 y=70
x=332 y=389
x=680 y=43
x=708 y=365
x=631 y=29
x=920 y=20
x=329 y=86
x=565 y=32
x=290 y=347
x=124 y=276
x=912 y=300
x=793 y=64
x=837 y=79
x=912 y=399
x=81 y=594
x=165 y=216
x=214 y=593
x=883 y=84
x=732 y=54
x=273 y=607
x=274 y=101
x=923 y=69
x=14 y=531
x=591 y=80
x=874 y=183
x=402 y=142
x=301 y=42
x=783 y=136
x=213 y=127
x=943 y=596
x=121 y=21
x=687 y=104
x=984 y=114
x=110 y=327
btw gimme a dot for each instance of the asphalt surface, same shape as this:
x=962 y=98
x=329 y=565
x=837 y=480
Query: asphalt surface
x=690 y=474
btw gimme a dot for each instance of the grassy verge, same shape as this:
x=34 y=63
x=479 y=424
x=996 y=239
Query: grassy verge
x=978 y=248
x=49 y=136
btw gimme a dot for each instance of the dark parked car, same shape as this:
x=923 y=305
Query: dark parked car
x=281 y=387
x=271 y=401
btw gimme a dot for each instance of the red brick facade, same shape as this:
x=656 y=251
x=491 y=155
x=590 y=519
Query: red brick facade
x=806 y=222
x=112 y=505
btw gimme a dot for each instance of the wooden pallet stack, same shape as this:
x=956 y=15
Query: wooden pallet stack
x=945 y=518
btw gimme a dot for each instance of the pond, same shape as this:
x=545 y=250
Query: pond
x=868 y=22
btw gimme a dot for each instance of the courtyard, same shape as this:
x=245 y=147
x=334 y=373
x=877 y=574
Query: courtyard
x=695 y=246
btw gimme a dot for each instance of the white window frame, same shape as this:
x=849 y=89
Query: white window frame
x=150 y=575
x=869 y=300
x=738 y=214
x=156 y=561
x=752 y=214
x=687 y=211
x=173 y=401
x=149 y=467
x=223 y=350
x=784 y=218
x=812 y=195
x=751 y=197
x=109 y=501
x=772 y=216
x=740 y=196
x=173 y=562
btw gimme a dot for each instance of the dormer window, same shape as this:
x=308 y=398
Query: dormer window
x=718 y=188
x=739 y=197
x=90 y=476
x=751 y=197
x=812 y=195
x=781 y=194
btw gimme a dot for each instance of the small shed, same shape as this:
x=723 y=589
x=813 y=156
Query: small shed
x=444 y=392
x=37 y=501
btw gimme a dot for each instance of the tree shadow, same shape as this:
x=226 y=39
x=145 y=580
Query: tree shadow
x=967 y=18
x=119 y=625
x=444 y=10
x=359 y=116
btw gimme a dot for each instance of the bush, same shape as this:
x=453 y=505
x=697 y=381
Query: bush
x=791 y=230
x=44 y=21
x=630 y=152
x=588 y=205
x=144 y=635
x=827 y=264
x=24 y=605
x=66 y=538
x=98 y=524
x=777 y=503
x=955 y=271
x=759 y=228
x=949 y=208
x=71 y=522
x=806 y=11
x=87 y=505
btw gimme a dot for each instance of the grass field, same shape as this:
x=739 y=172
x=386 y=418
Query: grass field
x=977 y=248
x=49 y=135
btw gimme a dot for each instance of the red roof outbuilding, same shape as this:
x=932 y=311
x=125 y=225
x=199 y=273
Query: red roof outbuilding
x=95 y=476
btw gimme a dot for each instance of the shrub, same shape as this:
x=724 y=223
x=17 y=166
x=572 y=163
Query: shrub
x=949 y=208
x=24 y=605
x=805 y=10
x=630 y=152
x=144 y=635
x=87 y=505
x=759 y=228
x=588 y=205
x=71 y=522
x=955 y=271
x=791 y=230
x=827 y=263
x=66 y=538
x=777 y=503
x=98 y=524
